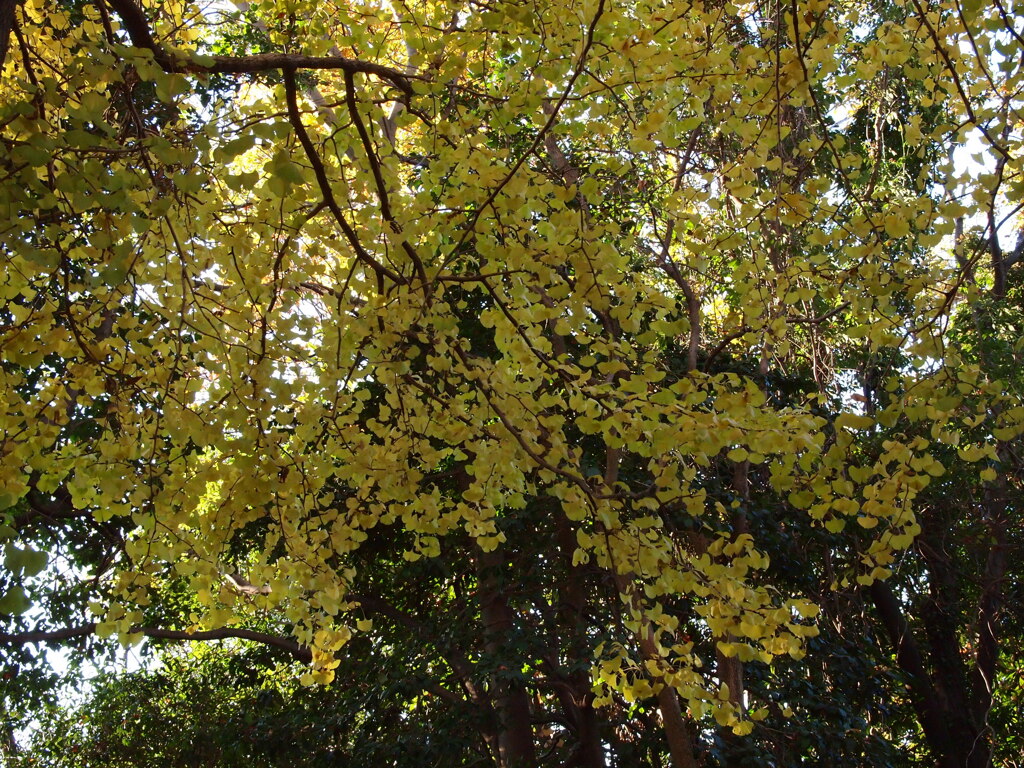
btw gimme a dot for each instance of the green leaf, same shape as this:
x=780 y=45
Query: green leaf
x=34 y=156
x=35 y=561
x=896 y=225
x=853 y=421
x=15 y=602
x=289 y=172
x=28 y=562
x=237 y=146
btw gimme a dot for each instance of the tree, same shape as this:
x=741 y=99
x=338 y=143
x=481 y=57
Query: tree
x=579 y=353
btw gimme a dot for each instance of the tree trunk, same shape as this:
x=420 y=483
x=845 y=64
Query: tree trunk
x=572 y=601
x=952 y=742
x=730 y=668
x=7 y=21
x=680 y=743
x=511 y=700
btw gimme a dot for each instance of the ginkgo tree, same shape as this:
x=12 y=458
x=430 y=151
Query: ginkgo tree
x=527 y=303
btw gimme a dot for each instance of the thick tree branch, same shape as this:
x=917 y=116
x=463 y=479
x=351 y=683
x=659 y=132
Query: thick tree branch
x=910 y=659
x=1017 y=254
x=984 y=670
x=264 y=62
x=946 y=662
x=54 y=636
x=725 y=342
x=511 y=697
x=56 y=507
x=135 y=23
x=692 y=308
x=299 y=652
x=990 y=603
x=7 y=9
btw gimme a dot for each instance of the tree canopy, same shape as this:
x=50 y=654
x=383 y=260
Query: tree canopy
x=514 y=382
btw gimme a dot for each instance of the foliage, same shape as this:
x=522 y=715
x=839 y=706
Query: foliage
x=618 y=381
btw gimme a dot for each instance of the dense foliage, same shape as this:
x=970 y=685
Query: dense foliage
x=513 y=383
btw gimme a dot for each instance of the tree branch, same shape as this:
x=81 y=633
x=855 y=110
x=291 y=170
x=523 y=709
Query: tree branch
x=7 y=9
x=299 y=652
x=909 y=658
x=990 y=601
x=378 y=177
x=460 y=665
x=134 y=22
x=588 y=42
x=56 y=506
x=291 y=96
x=1017 y=254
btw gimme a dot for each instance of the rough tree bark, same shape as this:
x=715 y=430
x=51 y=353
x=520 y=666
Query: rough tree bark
x=511 y=700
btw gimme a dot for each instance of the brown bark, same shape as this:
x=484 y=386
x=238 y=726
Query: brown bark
x=952 y=698
x=990 y=602
x=577 y=701
x=7 y=10
x=949 y=673
x=680 y=741
x=951 y=746
x=511 y=700
x=134 y=22
x=983 y=674
x=295 y=118
x=730 y=668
